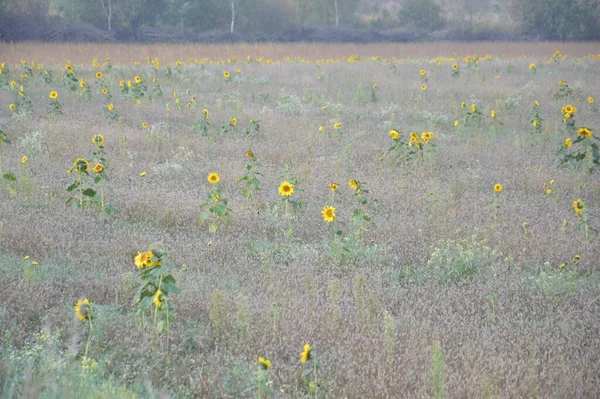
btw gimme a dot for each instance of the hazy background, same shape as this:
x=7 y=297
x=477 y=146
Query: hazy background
x=297 y=20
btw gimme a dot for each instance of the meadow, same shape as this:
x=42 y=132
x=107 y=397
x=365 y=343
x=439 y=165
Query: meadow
x=261 y=220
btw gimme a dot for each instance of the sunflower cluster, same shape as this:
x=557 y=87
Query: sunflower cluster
x=147 y=260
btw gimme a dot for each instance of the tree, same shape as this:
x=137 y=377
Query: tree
x=107 y=11
x=421 y=14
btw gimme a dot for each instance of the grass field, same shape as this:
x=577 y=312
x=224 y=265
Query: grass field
x=461 y=262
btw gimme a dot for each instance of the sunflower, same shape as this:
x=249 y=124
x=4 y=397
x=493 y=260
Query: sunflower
x=98 y=168
x=81 y=165
x=53 y=95
x=81 y=83
x=286 y=189
x=69 y=67
x=129 y=83
x=569 y=109
x=250 y=154
x=205 y=112
x=337 y=125
x=83 y=309
x=498 y=187
x=328 y=214
x=473 y=107
x=422 y=72
x=423 y=87
x=463 y=105
x=321 y=128
x=144 y=125
x=414 y=136
x=306 y=353
x=24 y=159
x=12 y=107
x=213 y=178
x=585 y=132
x=532 y=66
x=333 y=186
x=104 y=91
x=226 y=75
x=455 y=123
x=98 y=139
x=98 y=75
x=534 y=123
x=455 y=67
x=158 y=299
x=493 y=113
x=137 y=79
x=579 y=206
x=122 y=83
x=536 y=103
x=233 y=122
x=568 y=143
x=394 y=135
x=264 y=363
x=110 y=107
x=591 y=100
x=353 y=184
x=143 y=174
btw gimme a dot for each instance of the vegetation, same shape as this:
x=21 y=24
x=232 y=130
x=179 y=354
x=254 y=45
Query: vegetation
x=259 y=221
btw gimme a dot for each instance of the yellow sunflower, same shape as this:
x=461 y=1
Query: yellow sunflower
x=394 y=135
x=306 y=353
x=205 y=112
x=455 y=123
x=249 y=154
x=213 y=178
x=585 y=132
x=337 y=125
x=463 y=105
x=473 y=107
x=493 y=113
x=286 y=189
x=24 y=159
x=568 y=142
x=591 y=100
x=137 y=79
x=353 y=184
x=122 y=83
x=264 y=363
x=144 y=125
x=158 y=299
x=53 y=95
x=578 y=206
x=98 y=75
x=532 y=66
x=104 y=91
x=226 y=75
x=328 y=214
x=98 y=168
x=422 y=72
x=110 y=107
x=12 y=107
x=81 y=165
x=83 y=309
x=233 y=122
x=455 y=67
x=498 y=187
x=98 y=139
x=333 y=186
x=423 y=87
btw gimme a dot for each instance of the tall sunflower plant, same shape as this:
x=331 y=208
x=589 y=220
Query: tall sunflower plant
x=153 y=300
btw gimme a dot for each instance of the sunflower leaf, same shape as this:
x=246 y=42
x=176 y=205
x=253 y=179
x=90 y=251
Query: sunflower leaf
x=10 y=176
x=73 y=186
x=89 y=192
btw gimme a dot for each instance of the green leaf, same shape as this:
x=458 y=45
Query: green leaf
x=213 y=228
x=73 y=186
x=203 y=217
x=89 y=192
x=10 y=176
x=170 y=288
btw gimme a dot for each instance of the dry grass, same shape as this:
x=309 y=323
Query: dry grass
x=540 y=339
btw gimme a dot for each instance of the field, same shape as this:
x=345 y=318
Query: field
x=414 y=213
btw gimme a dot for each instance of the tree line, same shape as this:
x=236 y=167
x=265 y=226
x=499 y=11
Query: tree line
x=272 y=19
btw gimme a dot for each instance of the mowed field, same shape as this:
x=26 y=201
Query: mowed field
x=181 y=221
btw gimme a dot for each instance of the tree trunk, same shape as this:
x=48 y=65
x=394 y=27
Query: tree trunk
x=232 y=15
x=337 y=17
x=109 y=16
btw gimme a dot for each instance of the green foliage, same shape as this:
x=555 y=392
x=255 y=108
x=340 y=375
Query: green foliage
x=438 y=371
x=421 y=14
x=558 y=19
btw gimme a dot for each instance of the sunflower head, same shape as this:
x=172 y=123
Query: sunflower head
x=286 y=189
x=493 y=113
x=12 y=107
x=455 y=67
x=353 y=184
x=422 y=72
x=53 y=95
x=578 y=206
x=328 y=214
x=463 y=105
x=264 y=363
x=337 y=125
x=98 y=75
x=110 y=107
x=98 y=139
x=568 y=142
x=233 y=122
x=144 y=125
x=158 y=299
x=333 y=187
x=585 y=132
x=590 y=100
x=226 y=74
x=137 y=79
x=98 y=168
x=473 y=107
x=105 y=91
x=249 y=154
x=81 y=165
x=205 y=112
x=394 y=134
x=423 y=87
x=213 y=178
x=498 y=187
x=83 y=309
x=306 y=353
x=532 y=66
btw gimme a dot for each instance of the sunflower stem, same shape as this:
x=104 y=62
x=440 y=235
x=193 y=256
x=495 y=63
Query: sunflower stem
x=89 y=338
